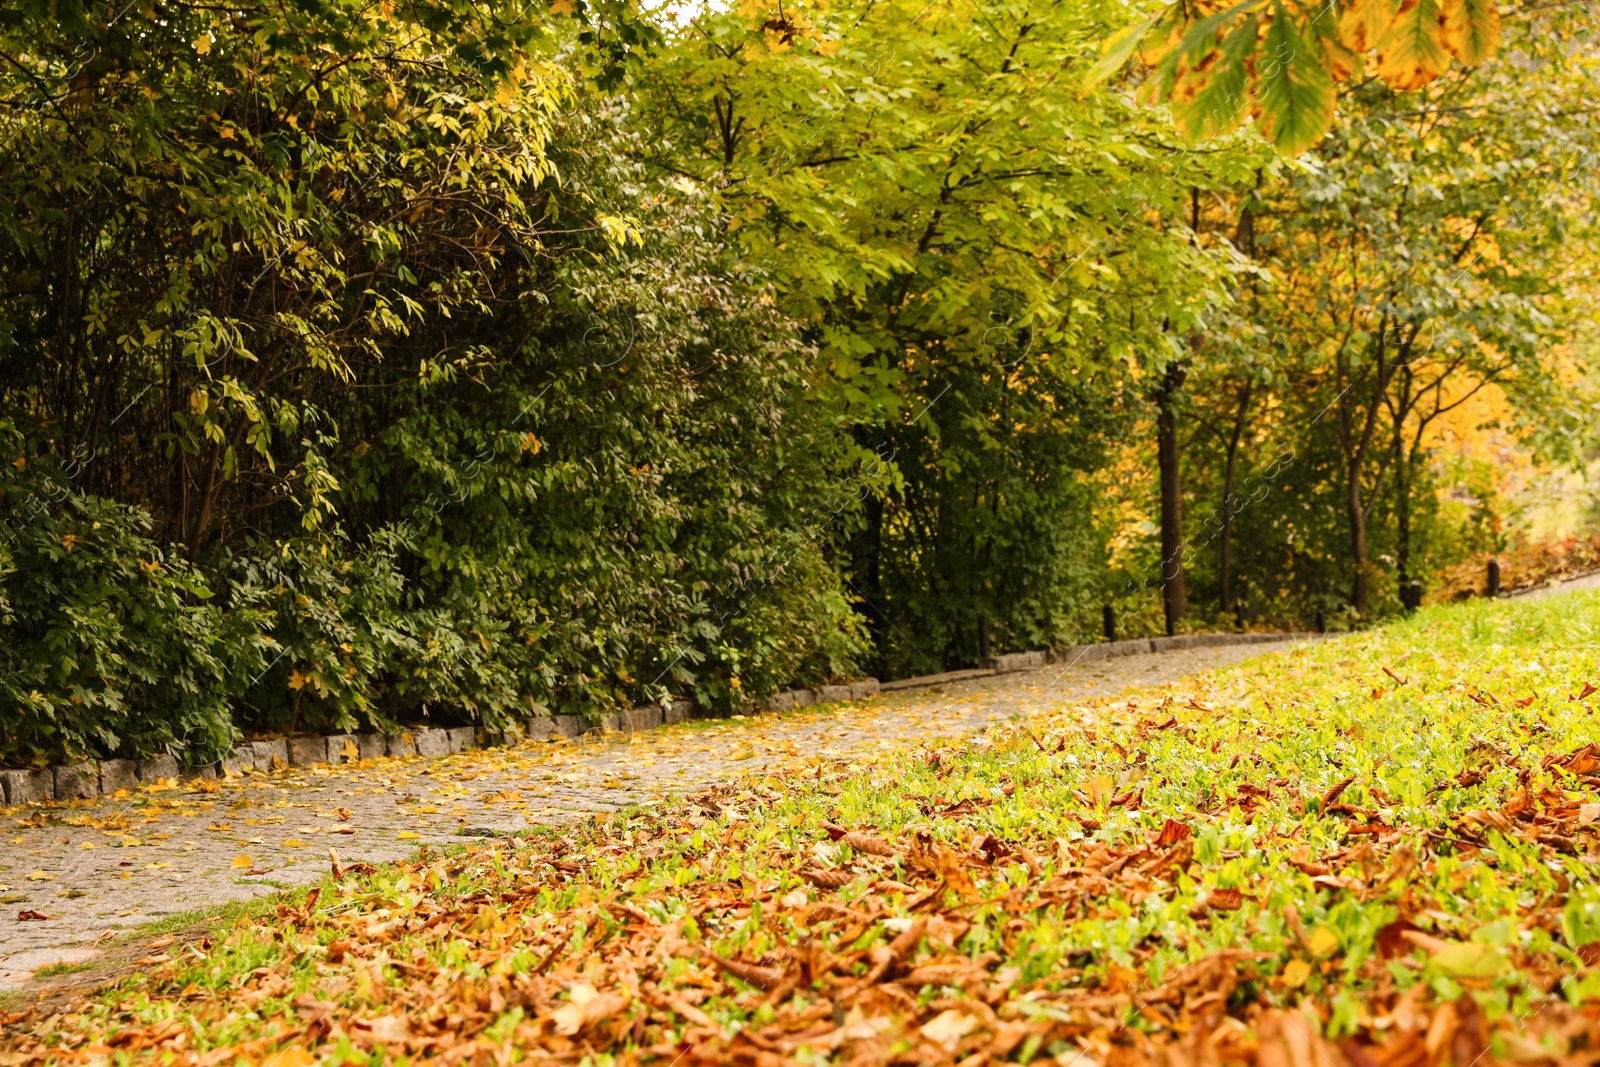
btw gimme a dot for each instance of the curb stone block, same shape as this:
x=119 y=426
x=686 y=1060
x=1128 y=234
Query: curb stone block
x=1169 y=644
x=569 y=725
x=201 y=772
x=462 y=738
x=832 y=694
x=371 y=746
x=804 y=698
x=241 y=759
x=304 y=751
x=28 y=787
x=118 y=774
x=431 y=743
x=676 y=712
x=645 y=718
x=867 y=687
x=336 y=752
x=153 y=770
x=267 y=751
x=538 y=728
x=76 y=781
x=610 y=720
x=401 y=744
x=789 y=700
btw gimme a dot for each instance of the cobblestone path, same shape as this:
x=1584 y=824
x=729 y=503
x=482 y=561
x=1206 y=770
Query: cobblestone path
x=116 y=862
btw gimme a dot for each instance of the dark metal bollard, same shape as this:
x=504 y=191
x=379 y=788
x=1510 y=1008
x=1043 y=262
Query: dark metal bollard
x=1491 y=587
x=1108 y=618
x=1322 y=621
x=1238 y=613
x=1411 y=595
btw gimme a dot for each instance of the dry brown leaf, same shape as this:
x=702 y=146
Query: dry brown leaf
x=586 y=1007
x=861 y=842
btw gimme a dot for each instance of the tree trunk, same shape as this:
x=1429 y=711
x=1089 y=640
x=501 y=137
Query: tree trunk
x=1224 y=557
x=1174 y=599
x=1358 y=537
x=1402 y=520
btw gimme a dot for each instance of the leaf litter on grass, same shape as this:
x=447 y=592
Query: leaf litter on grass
x=1297 y=863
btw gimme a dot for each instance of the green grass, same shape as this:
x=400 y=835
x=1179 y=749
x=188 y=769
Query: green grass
x=54 y=969
x=1350 y=836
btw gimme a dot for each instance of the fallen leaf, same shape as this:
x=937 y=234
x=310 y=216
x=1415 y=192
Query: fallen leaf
x=388 y=1029
x=293 y=1056
x=41 y=876
x=243 y=862
x=586 y=1006
x=1323 y=941
x=948 y=1028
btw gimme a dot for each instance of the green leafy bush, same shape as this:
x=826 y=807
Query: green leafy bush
x=110 y=644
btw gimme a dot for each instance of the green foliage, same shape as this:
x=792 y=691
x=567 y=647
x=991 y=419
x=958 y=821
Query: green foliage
x=354 y=359
x=109 y=643
x=463 y=361
x=980 y=251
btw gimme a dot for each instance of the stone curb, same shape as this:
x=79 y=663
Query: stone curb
x=1075 y=654
x=85 y=780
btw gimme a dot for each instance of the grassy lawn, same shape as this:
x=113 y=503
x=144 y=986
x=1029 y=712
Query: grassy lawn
x=1377 y=851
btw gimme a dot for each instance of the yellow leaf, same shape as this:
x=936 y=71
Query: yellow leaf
x=293 y=1056
x=1364 y=22
x=199 y=400
x=1471 y=29
x=157 y=866
x=407 y=835
x=563 y=7
x=1323 y=941
x=1296 y=973
x=1099 y=787
x=86 y=846
x=297 y=680
x=1412 y=53
x=41 y=876
x=349 y=750
x=294 y=842
x=243 y=862
x=202 y=44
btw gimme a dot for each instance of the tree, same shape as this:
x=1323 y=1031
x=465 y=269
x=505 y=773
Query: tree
x=980 y=250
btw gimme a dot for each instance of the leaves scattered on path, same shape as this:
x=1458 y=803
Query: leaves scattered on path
x=1293 y=865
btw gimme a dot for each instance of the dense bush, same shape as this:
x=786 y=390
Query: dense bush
x=109 y=643
x=394 y=398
